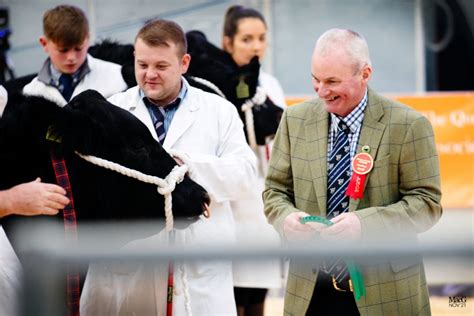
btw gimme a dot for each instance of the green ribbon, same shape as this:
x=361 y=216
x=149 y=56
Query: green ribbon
x=354 y=272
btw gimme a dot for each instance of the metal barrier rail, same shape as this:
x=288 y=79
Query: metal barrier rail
x=46 y=255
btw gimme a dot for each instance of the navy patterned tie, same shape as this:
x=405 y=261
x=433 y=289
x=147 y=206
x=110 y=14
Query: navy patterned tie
x=159 y=113
x=66 y=86
x=339 y=172
x=159 y=124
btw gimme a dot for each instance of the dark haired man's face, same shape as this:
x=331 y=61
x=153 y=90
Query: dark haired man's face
x=158 y=70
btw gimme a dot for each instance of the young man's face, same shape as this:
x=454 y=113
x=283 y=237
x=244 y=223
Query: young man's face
x=65 y=59
x=158 y=71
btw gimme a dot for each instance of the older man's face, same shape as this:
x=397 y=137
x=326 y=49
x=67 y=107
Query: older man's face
x=338 y=82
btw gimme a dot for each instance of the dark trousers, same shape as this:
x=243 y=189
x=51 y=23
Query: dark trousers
x=326 y=300
x=249 y=296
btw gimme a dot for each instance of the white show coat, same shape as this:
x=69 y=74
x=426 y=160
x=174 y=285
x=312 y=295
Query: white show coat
x=251 y=224
x=104 y=77
x=209 y=131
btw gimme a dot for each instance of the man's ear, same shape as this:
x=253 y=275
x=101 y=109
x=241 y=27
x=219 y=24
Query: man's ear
x=366 y=73
x=43 y=42
x=185 y=61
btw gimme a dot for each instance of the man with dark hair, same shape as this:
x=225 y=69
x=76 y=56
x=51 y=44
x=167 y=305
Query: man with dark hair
x=69 y=70
x=205 y=131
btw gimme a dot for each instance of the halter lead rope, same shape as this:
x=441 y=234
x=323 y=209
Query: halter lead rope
x=164 y=187
x=258 y=99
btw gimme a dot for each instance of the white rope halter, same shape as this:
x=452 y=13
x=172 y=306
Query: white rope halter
x=258 y=99
x=164 y=186
x=209 y=84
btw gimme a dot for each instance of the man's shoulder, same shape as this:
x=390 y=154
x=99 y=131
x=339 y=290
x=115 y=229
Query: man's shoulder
x=395 y=111
x=124 y=97
x=95 y=64
x=208 y=100
x=104 y=76
x=300 y=110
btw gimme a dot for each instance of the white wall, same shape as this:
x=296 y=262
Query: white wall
x=388 y=26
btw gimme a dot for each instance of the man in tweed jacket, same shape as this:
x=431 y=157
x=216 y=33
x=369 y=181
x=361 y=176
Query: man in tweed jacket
x=401 y=194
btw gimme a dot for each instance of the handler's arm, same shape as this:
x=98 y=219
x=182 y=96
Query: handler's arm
x=279 y=196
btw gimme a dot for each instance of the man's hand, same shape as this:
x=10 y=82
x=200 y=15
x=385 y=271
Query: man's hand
x=33 y=198
x=295 y=231
x=346 y=226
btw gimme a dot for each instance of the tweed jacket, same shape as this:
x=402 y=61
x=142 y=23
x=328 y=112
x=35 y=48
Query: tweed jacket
x=402 y=196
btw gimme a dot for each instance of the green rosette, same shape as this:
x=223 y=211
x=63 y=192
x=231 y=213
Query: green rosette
x=354 y=272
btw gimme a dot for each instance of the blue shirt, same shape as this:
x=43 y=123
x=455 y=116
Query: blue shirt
x=50 y=75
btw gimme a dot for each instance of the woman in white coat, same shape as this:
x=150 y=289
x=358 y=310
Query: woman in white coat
x=245 y=36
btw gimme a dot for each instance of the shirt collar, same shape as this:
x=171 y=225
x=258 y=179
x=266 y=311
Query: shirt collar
x=354 y=119
x=50 y=75
x=173 y=104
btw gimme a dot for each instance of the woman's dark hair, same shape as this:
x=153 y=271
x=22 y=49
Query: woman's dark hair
x=234 y=14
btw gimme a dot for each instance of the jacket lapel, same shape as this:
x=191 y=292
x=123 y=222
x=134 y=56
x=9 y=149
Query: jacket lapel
x=316 y=129
x=370 y=134
x=139 y=109
x=182 y=120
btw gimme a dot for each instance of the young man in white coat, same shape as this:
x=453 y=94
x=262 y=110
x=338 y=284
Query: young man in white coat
x=69 y=70
x=65 y=40
x=206 y=130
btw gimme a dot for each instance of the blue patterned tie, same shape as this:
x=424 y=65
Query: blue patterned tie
x=66 y=86
x=159 y=124
x=339 y=172
x=159 y=113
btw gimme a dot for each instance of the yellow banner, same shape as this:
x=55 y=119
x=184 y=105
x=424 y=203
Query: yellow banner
x=452 y=117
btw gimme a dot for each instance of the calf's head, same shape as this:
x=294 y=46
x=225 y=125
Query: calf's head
x=93 y=126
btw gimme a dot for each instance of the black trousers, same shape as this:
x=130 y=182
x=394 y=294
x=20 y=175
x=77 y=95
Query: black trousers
x=249 y=296
x=326 y=300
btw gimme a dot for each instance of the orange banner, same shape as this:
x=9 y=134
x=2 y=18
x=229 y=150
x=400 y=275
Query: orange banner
x=452 y=117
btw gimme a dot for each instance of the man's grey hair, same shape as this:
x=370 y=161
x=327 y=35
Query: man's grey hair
x=352 y=42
